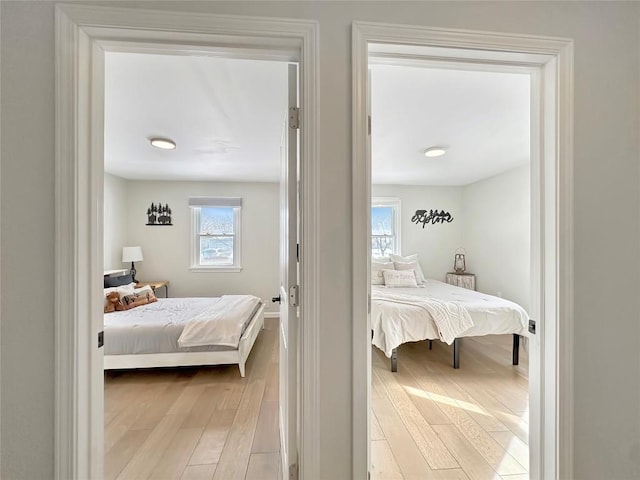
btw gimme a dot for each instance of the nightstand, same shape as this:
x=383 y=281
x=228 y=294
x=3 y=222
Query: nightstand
x=464 y=280
x=155 y=285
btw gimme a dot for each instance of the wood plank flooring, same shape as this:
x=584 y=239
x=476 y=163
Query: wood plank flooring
x=196 y=423
x=430 y=421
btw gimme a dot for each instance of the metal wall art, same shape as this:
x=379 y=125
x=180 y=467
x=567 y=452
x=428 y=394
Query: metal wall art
x=432 y=216
x=159 y=215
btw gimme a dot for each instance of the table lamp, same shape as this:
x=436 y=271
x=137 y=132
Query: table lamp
x=132 y=254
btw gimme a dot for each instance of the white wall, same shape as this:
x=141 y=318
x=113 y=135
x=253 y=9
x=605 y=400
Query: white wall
x=435 y=244
x=166 y=250
x=606 y=196
x=115 y=220
x=496 y=234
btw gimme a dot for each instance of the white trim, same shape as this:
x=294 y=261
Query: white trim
x=82 y=34
x=553 y=58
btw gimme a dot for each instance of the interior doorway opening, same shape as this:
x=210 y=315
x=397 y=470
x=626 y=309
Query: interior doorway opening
x=84 y=34
x=166 y=408
x=461 y=223
x=549 y=63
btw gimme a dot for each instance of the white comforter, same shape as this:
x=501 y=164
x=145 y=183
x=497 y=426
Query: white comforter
x=221 y=324
x=395 y=323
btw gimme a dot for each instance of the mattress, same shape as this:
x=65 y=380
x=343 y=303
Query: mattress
x=395 y=324
x=156 y=327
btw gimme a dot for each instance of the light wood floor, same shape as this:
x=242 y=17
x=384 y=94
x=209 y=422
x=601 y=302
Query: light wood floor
x=430 y=421
x=196 y=423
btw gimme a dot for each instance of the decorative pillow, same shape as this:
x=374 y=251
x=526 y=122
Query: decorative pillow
x=400 y=278
x=112 y=302
x=117 y=281
x=408 y=266
x=121 y=290
x=376 y=271
x=141 y=296
x=420 y=278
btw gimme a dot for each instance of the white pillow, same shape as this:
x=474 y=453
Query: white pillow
x=420 y=278
x=146 y=288
x=376 y=271
x=400 y=278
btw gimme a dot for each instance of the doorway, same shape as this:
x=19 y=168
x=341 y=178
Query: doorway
x=549 y=62
x=220 y=121
x=81 y=46
x=438 y=407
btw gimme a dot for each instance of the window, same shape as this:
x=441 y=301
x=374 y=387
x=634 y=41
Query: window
x=215 y=233
x=385 y=226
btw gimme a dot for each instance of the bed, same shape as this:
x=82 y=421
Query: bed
x=151 y=335
x=400 y=315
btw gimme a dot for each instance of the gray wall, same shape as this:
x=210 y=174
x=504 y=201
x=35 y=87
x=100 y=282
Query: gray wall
x=496 y=234
x=607 y=363
x=434 y=244
x=116 y=210
x=166 y=250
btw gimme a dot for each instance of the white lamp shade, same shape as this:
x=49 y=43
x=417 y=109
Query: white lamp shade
x=131 y=254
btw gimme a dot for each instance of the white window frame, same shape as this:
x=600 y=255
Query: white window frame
x=395 y=203
x=196 y=204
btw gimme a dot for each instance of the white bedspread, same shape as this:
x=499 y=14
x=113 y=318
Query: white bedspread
x=395 y=323
x=221 y=324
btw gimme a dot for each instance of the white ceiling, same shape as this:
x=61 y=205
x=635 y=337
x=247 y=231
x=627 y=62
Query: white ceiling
x=481 y=118
x=226 y=116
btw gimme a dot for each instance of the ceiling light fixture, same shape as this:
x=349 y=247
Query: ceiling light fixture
x=163 y=143
x=434 y=152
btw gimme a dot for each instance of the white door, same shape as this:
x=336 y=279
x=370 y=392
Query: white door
x=289 y=284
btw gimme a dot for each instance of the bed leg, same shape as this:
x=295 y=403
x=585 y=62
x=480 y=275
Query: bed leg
x=456 y=353
x=241 y=365
x=516 y=349
x=394 y=360
x=430 y=344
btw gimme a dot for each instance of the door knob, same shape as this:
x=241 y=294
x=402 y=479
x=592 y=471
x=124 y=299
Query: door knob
x=276 y=299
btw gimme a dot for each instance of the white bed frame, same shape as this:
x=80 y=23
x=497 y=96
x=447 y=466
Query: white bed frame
x=179 y=359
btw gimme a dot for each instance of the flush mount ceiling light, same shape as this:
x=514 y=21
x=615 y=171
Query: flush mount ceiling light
x=163 y=143
x=434 y=152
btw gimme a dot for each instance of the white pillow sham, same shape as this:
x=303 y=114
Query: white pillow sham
x=400 y=278
x=420 y=278
x=376 y=271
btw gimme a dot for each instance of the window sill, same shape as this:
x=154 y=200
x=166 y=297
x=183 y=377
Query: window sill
x=215 y=269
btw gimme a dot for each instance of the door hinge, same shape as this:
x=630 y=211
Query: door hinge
x=532 y=326
x=294 y=117
x=100 y=339
x=293 y=472
x=294 y=295
x=298 y=252
x=369 y=124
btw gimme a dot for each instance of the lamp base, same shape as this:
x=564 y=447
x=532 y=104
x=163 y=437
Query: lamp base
x=133 y=272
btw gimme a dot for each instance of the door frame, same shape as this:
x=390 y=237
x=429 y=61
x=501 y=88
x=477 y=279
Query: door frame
x=551 y=59
x=82 y=34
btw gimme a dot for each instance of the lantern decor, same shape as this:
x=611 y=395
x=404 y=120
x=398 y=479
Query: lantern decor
x=432 y=216
x=459 y=265
x=159 y=215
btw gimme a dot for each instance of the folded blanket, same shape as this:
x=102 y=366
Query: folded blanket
x=450 y=318
x=221 y=324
